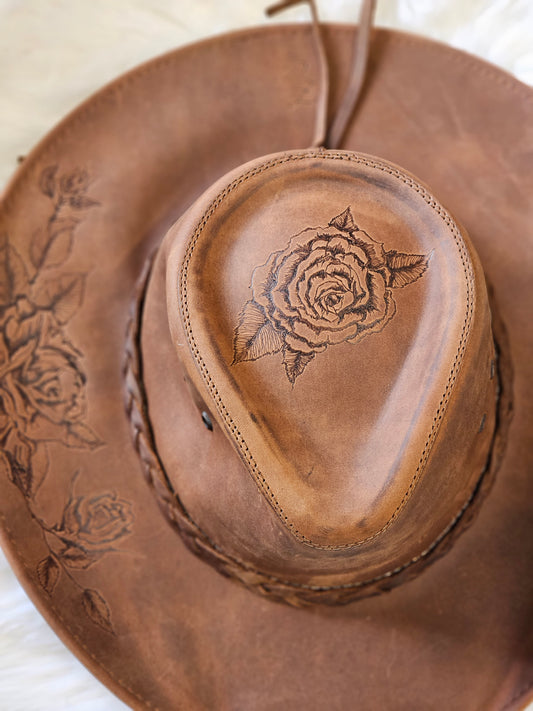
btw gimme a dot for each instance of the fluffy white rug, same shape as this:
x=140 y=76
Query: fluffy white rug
x=54 y=53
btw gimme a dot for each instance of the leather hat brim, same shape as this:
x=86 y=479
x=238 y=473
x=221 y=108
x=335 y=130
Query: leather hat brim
x=79 y=523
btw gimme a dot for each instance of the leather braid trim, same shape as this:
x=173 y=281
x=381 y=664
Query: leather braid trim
x=270 y=586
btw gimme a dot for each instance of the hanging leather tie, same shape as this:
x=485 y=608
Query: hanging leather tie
x=321 y=121
x=357 y=77
x=331 y=137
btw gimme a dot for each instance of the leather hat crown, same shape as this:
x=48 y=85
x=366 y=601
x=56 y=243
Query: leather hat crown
x=332 y=322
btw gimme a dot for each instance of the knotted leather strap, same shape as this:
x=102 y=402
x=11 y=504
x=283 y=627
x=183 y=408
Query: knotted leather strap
x=331 y=137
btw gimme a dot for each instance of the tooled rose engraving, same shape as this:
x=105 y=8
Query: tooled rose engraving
x=90 y=528
x=42 y=384
x=331 y=284
x=43 y=390
x=90 y=525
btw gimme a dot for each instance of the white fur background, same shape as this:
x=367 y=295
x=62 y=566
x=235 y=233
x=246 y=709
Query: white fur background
x=53 y=54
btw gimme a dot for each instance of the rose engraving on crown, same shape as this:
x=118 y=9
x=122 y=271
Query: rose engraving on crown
x=330 y=285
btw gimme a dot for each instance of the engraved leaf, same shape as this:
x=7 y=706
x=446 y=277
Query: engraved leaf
x=81 y=436
x=97 y=609
x=37 y=247
x=19 y=449
x=39 y=467
x=295 y=362
x=19 y=275
x=13 y=274
x=76 y=558
x=255 y=336
x=21 y=476
x=344 y=221
x=80 y=201
x=48 y=574
x=405 y=268
x=23 y=354
x=63 y=294
x=28 y=463
x=50 y=248
x=47 y=181
x=28 y=469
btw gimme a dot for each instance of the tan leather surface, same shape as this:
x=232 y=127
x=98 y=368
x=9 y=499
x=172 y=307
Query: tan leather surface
x=339 y=452
x=458 y=636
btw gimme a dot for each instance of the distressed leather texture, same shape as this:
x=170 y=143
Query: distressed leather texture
x=364 y=459
x=159 y=626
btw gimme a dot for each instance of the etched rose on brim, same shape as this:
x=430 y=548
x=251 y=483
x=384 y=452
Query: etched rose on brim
x=330 y=285
x=43 y=392
x=96 y=521
x=90 y=526
x=74 y=183
x=42 y=384
x=43 y=366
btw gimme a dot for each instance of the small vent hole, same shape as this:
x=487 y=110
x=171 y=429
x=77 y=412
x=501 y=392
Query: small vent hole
x=207 y=421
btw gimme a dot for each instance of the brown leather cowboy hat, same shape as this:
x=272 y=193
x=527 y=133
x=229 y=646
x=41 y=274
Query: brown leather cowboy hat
x=161 y=627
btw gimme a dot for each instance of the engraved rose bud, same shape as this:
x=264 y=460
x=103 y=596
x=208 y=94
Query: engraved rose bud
x=92 y=523
x=73 y=187
x=330 y=285
x=74 y=183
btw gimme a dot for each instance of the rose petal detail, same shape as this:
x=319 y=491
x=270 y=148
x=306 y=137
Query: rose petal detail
x=90 y=524
x=330 y=285
x=47 y=182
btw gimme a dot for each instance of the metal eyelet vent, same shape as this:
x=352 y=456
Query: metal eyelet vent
x=207 y=421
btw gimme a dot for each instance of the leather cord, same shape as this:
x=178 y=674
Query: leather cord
x=321 y=121
x=332 y=137
x=357 y=77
